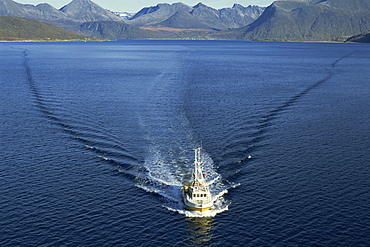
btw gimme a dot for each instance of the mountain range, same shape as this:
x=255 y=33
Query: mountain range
x=305 y=20
x=221 y=19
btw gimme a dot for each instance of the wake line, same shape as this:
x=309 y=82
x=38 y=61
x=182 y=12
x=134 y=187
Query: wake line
x=340 y=59
x=31 y=82
x=41 y=103
x=272 y=114
x=104 y=144
x=266 y=120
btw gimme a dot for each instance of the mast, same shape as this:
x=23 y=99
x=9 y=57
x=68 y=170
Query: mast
x=196 y=194
x=198 y=175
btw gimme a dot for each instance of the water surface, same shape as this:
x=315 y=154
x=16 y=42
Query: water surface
x=96 y=139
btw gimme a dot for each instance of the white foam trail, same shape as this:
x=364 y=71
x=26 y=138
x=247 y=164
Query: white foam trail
x=170 y=155
x=213 y=180
x=104 y=158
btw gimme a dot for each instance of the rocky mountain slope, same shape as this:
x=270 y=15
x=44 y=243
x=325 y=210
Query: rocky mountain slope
x=69 y=17
x=156 y=14
x=87 y=10
x=120 y=30
x=43 y=11
x=309 y=20
x=184 y=20
x=222 y=19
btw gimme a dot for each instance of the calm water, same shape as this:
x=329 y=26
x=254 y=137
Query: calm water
x=96 y=139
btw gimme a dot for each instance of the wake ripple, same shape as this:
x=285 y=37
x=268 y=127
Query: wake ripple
x=170 y=156
x=91 y=134
x=165 y=171
x=272 y=114
x=250 y=134
x=171 y=143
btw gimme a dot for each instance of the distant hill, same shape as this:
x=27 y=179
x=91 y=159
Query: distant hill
x=184 y=20
x=123 y=15
x=156 y=14
x=209 y=15
x=223 y=19
x=240 y=16
x=87 y=10
x=40 y=12
x=119 y=30
x=68 y=17
x=17 y=28
x=308 y=20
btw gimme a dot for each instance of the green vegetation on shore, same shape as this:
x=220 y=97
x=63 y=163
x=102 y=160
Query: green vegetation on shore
x=22 y=29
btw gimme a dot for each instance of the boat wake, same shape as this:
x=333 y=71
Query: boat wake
x=168 y=140
x=170 y=143
x=165 y=176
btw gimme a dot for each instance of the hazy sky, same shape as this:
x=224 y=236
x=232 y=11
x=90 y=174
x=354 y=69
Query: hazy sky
x=134 y=6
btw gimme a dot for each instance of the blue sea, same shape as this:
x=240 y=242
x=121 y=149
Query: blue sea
x=97 y=138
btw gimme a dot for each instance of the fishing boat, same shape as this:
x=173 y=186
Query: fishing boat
x=196 y=194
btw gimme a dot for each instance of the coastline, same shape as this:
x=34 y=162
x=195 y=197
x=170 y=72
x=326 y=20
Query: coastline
x=105 y=40
x=51 y=40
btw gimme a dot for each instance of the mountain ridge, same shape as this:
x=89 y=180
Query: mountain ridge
x=157 y=13
x=87 y=10
x=184 y=20
x=301 y=20
x=309 y=21
x=219 y=19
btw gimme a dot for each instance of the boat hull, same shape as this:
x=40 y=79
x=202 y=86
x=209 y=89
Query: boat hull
x=197 y=209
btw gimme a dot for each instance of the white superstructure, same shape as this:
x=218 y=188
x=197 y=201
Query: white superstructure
x=196 y=194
